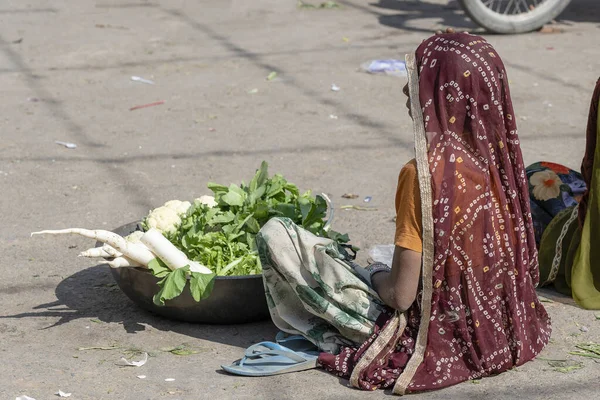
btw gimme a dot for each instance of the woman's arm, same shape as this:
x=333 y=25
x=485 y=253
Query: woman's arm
x=398 y=288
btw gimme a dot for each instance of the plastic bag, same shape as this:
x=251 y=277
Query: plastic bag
x=383 y=253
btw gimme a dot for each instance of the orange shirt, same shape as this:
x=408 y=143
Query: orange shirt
x=408 y=209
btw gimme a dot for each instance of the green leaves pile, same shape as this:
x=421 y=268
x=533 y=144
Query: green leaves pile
x=222 y=237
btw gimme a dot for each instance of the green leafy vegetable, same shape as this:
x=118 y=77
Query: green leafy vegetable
x=158 y=268
x=201 y=285
x=171 y=285
x=223 y=237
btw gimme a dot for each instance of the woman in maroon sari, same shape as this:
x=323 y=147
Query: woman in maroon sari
x=461 y=303
x=478 y=313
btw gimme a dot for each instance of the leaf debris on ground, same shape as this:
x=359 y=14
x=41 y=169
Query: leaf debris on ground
x=590 y=350
x=358 y=208
x=134 y=351
x=99 y=348
x=272 y=76
x=565 y=366
x=327 y=5
x=181 y=350
x=544 y=299
x=350 y=196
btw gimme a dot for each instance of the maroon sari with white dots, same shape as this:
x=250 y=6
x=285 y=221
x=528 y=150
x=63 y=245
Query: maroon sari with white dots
x=478 y=313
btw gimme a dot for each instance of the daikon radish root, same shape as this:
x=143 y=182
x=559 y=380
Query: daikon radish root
x=134 y=237
x=134 y=251
x=105 y=251
x=168 y=253
x=122 y=262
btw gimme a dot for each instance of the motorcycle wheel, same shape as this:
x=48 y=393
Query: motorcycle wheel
x=513 y=16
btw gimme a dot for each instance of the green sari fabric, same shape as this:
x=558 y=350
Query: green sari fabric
x=569 y=251
x=585 y=271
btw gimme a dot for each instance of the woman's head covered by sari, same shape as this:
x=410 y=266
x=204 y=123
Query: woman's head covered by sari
x=479 y=310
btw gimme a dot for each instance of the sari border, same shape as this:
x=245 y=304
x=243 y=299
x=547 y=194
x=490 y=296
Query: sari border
x=418 y=355
x=396 y=325
x=559 y=247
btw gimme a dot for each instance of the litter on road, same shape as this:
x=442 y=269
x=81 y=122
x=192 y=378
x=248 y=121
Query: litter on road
x=385 y=67
x=135 y=363
x=156 y=103
x=68 y=145
x=142 y=80
x=99 y=348
x=358 y=208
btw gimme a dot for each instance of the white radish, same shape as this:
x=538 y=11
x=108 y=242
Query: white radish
x=105 y=251
x=122 y=262
x=168 y=253
x=134 y=237
x=134 y=251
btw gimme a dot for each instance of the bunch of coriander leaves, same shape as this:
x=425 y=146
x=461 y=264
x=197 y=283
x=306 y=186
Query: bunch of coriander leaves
x=222 y=237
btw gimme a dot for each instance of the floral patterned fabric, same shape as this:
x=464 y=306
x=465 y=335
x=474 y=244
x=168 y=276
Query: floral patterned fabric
x=552 y=189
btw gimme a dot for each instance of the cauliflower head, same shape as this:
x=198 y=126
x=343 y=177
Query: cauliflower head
x=207 y=200
x=180 y=207
x=164 y=219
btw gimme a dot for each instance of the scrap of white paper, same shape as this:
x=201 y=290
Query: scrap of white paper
x=60 y=393
x=135 y=363
x=24 y=397
x=141 y=376
x=169 y=380
x=68 y=145
x=140 y=79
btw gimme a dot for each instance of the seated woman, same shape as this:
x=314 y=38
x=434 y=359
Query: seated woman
x=565 y=216
x=459 y=301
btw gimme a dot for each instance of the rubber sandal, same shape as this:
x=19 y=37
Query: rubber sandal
x=268 y=358
x=295 y=342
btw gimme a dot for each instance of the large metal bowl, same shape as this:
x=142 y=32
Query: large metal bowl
x=234 y=299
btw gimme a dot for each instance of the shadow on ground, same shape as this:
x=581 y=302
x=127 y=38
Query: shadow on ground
x=449 y=15
x=93 y=294
x=581 y=11
x=410 y=12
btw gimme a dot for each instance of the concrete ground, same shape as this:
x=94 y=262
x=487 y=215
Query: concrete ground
x=65 y=69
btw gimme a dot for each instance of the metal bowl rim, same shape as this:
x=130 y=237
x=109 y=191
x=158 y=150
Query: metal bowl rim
x=218 y=277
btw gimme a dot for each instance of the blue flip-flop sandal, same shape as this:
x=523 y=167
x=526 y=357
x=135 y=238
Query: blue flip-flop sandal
x=268 y=358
